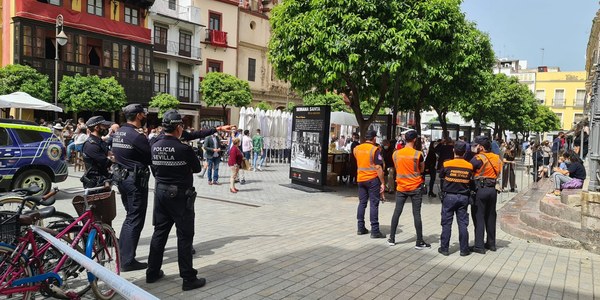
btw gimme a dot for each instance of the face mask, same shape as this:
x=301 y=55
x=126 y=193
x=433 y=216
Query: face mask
x=475 y=149
x=143 y=121
x=103 y=131
x=216 y=134
x=386 y=147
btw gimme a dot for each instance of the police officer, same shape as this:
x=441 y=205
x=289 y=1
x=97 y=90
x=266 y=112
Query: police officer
x=456 y=178
x=173 y=164
x=486 y=166
x=132 y=153
x=409 y=164
x=370 y=183
x=95 y=153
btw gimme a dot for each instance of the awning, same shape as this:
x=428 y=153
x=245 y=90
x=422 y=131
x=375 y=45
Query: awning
x=24 y=100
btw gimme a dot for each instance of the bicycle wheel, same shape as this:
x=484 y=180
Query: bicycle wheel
x=105 y=251
x=13 y=203
x=73 y=275
x=8 y=276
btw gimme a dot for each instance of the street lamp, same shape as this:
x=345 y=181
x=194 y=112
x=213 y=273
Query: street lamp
x=61 y=39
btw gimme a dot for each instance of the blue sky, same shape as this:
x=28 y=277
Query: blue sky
x=520 y=28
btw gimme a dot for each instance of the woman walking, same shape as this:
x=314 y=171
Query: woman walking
x=234 y=162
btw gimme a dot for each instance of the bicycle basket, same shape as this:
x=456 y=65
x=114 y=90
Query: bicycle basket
x=102 y=205
x=9 y=227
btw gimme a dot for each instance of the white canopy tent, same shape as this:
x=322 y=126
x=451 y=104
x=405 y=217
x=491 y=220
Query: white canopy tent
x=23 y=100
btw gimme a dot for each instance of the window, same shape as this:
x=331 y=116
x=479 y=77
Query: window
x=251 y=69
x=578 y=118
x=29 y=136
x=185 y=43
x=106 y=52
x=116 y=55
x=5 y=139
x=53 y=2
x=80 y=53
x=183 y=87
x=540 y=95
x=39 y=43
x=95 y=7
x=580 y=98
x=559 y=98
x=160 y=38
x=160 y=82
x=131 y=16
x=559 y=116
x=214 y=66
x=27 y=41
x=172 y=4
x=214 y=21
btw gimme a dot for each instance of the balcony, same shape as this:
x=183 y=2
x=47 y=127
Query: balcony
x=558 y=102
x=216 y=37
x=189 y=14
x=172 y=48
x=194 y=96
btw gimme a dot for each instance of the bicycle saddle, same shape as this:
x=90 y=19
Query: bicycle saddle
x=32 y=190
x=31 y=217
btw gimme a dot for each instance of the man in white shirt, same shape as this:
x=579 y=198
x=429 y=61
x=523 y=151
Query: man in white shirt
x=78 y=141
x=246 y=149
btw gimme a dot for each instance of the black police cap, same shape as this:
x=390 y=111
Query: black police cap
x=134 y=109
x=411 y=135
x=480 y=140
x=97 y=120
x=172 y=117
x=371 y=134
x=460 y=147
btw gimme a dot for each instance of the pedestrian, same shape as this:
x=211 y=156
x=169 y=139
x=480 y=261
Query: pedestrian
x=132 y=153
x=79 y=138
x=258 y=151
x=235 y=162
x=456 y=179
x=486 y=167
x=246 y=150
x=212 y=147
x=173 y=164
x=430 y=167
x=388 y=171
x=570 y=178
x=353 y=169
x=371 y=183
x=557 y=145
x=95 y=154
x=410 y=165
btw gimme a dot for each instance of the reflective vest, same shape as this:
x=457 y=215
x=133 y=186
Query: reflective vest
x=365 y=162
x=492 y=165
x=408 y=170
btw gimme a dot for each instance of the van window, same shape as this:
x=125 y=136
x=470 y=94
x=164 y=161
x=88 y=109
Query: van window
x=5 y=139
x=29 y=136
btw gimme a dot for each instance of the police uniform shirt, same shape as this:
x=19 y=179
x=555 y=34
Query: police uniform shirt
x=478 y=163
x=186 y=136
x=174 y=162
x=457 y=175
x=95 y=152
x=131 y=148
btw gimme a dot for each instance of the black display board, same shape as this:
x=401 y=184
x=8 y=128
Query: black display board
x=383 y=125
x=310 y=137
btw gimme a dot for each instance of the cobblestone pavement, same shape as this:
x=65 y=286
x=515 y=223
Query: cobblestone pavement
x=273 y=242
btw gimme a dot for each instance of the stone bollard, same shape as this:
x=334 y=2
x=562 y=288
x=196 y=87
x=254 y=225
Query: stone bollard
x=590 y=220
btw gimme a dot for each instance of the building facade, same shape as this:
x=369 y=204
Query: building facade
x=564 y=93
x=105 y=38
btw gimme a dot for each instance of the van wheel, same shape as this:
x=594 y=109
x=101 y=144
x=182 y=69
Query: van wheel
x=34 y=177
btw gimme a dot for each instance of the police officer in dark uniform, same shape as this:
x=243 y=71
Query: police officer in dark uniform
x=95 y=153
x=132 y=154
x=487 y=166
x=456 y=178
x=173 y=164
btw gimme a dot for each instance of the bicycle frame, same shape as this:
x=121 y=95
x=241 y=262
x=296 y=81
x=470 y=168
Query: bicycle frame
x=12 y=286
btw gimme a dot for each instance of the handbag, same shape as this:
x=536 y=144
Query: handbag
x=245 y=164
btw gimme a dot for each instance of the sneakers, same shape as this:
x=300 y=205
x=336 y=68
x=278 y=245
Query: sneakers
x=210 y=182
x=391 y=242
x=477 y=250
x=134 y=266
x=154 y=278
x=362 y=231
x=377 y=235
x=422 y=245
x=193 y=284
x=243 y=181
x=443 y=252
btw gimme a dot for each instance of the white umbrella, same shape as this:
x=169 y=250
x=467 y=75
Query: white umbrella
x=250 y=120
x=242 y=121
x=24 y=100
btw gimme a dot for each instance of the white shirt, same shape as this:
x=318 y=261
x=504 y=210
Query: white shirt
x=80 y=139
x=246 y=143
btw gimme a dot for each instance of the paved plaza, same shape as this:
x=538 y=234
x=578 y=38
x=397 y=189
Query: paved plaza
x=272 y=242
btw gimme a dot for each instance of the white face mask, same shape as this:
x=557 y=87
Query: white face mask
x=475 y=149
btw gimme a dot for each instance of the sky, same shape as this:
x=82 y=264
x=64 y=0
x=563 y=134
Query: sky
x=519 y=29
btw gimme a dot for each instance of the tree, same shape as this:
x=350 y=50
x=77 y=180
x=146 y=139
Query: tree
x=354 y=47
x=19 y=78
x=164 y=102
x=334 y=100
x=225 y=90
x=263 y=105
x=91 y=93
x=545 y=120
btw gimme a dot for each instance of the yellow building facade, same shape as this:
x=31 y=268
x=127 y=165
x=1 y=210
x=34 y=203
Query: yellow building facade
x=564 y=93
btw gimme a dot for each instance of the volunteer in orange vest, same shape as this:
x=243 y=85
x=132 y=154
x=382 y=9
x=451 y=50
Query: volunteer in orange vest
x=409 y=165
x=370 y=183
x=487 y=167
x=456 y=178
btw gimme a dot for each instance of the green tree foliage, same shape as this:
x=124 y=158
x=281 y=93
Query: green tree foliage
x=354 y=47
x=164 y=102
x=290 y=106
x=545 y=120
x=19 y=78
x=334 y=100
x=263 y=105
x=91 y=93
x=225 y=90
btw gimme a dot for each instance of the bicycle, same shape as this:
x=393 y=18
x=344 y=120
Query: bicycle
x=25 y=269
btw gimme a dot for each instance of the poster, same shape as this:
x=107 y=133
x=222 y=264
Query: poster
x=310 y=134
x=383 y=125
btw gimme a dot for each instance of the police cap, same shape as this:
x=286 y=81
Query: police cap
x=411 y=135
x=97 y=120
x=171 y=118
x=480 y=140
x=371 y=134
x=460 y=147
x=135 y=108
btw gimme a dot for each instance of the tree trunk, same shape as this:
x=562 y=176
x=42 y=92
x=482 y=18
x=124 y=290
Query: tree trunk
x=418 y=120
x=477 y=131
x=225 y=121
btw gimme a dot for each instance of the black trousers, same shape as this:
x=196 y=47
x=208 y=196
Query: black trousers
x=483 y=212
x=135 y=201
x=171 y=207
x=401 y=198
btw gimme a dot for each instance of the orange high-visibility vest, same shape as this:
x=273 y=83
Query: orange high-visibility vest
x=365 y=162
x=491 y=168
x=408 y=169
